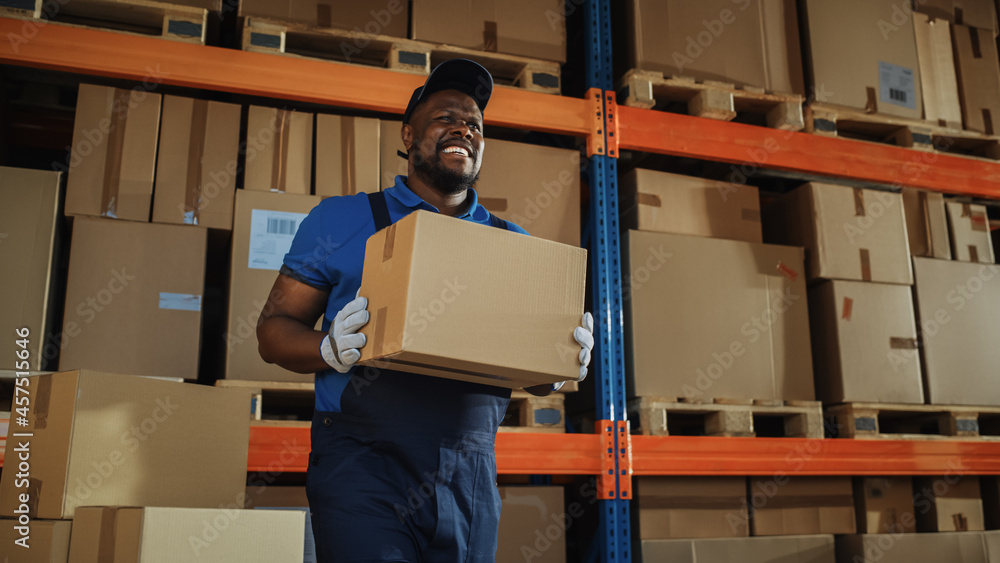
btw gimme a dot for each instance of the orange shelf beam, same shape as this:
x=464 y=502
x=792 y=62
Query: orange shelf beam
x=750 y=147
x=682 y=455
x=159 y=61
x=282 y=449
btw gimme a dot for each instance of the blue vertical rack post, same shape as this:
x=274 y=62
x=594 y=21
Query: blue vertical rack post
x=615 y=482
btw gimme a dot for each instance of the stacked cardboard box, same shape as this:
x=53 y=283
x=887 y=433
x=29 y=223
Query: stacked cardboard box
x=692 y=507
x=926 y=224
x=373 y=17
x=951 y=503
x=953 y=547
x=534 y=522
x=279 y=151
x=970 y=232
x=939 y=84
x=347 y=155
x=864 y=333
x=783 y=549
x=884 y=505
x=783 y=506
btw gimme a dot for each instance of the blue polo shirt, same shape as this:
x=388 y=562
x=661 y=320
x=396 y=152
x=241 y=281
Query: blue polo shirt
x=328 y=253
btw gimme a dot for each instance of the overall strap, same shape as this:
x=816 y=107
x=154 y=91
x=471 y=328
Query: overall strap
x=380 y=210
x=498 y=222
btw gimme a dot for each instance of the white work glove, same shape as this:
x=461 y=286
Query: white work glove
x=584 y=336
x=340 y=346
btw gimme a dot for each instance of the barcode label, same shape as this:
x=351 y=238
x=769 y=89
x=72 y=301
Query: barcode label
x=897 y=85
x=281 y=226
x=898 y=95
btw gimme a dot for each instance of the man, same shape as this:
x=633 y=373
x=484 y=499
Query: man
x=402 y=465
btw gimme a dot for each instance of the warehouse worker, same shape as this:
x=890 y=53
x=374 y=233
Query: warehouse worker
x=402 y=466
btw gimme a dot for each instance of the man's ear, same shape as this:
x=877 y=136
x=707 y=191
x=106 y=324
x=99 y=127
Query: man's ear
x=406 y=132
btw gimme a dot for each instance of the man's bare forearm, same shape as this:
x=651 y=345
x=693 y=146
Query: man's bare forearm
x=291 y=344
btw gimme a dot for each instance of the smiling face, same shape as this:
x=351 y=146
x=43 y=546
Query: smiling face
x=444 y=139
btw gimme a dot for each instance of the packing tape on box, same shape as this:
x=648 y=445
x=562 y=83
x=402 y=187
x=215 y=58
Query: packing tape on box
x=977 y=220
x=786 y=271
x=390 y=242
x=899 y=343
x=379 y=339
x=497 y=204
x=752 y=215
x=119 y=101
x=278 y=172
x=43 y=395
x=196 y=152
x=961 y=522
x=871 y=106
x=490 y=36
x=324 y=15
x=866 y=264
x=348 y=175
x=848 y=309
x=973 y=253
x=859 y=202
x=106 y=541
x=652 y=200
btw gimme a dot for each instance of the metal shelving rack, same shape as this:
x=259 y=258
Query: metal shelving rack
x=610 y=453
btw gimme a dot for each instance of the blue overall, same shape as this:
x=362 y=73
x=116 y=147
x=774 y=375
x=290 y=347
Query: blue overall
x=402 y=466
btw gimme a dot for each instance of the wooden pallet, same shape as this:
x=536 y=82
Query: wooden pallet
x=714 y=100
x=395 y=53
x=528 y=413
x=278 y=401
x=142 y=17
x=836 y=121
x=914 y=422
x=667 y=416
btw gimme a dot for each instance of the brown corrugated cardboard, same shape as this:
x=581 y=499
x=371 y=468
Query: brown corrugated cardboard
x=872 y=67
x=751 y=43
x=977 y=66
x=196 y=166
x=989 y=485
x=259 y=246
x=347 y=155
x=692 y=507
x=712 y=318
x=778 y=549
x=113 y=153
x=951 y=503
x=160 y=535
x=956 y=308
x=29 y=208
x=530 y=28
x=977 y=13
x=884 y=505
x=801 y=505
x=101 y=439
x=969 y=226
x=685 y=205
x=864 y=343
x=279 y=151
x=938 y=82
x=373 y=17
x=533 y=524
x=926 y=224
x=953 y=547
x=46 y=541
x=134 y=298
x=536 y=187
x=440 y=306
x=992 y=541
x=848 y=233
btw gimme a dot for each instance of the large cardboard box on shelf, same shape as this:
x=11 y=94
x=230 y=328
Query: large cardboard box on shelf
x=926 y=224
x=953 y=547
x=530 y=28
x=526 y=512
x=712 y=318
x=536 y=187
x=978 y=70
x=848 y=233
x=197 y=163
x=951 y=503
x=373 y=17
x=692 y=507
x=440 y=307
x=390 y=163
x=776 y=549
x=162 y=534
x=685 y=205
x=864 y=343
x=263 y=228
x=29 y=213
x=977 y=13
x=801 y=505
x=47 y=541
x=104 y=439
x=751 y=43
x=860 y=60
x=134 y=298
x=262 y=496
x=347 y=155
x=956 y=308
x=279 y=151
x=884 y=505
x=969 y=226
x=992 y=540
x=938 y=82
x=113 y=153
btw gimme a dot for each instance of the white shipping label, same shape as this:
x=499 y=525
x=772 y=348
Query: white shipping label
x=180 y=301
x=271 y=234
x=897 y=85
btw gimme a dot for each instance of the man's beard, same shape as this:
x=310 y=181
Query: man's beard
x=443 y=179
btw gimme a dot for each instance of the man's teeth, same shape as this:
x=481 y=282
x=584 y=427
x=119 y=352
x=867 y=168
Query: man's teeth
x=458 y=150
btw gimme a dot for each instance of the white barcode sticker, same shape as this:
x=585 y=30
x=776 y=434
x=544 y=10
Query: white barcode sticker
x=271 y=234
x=897 y=85
x=180 y=301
